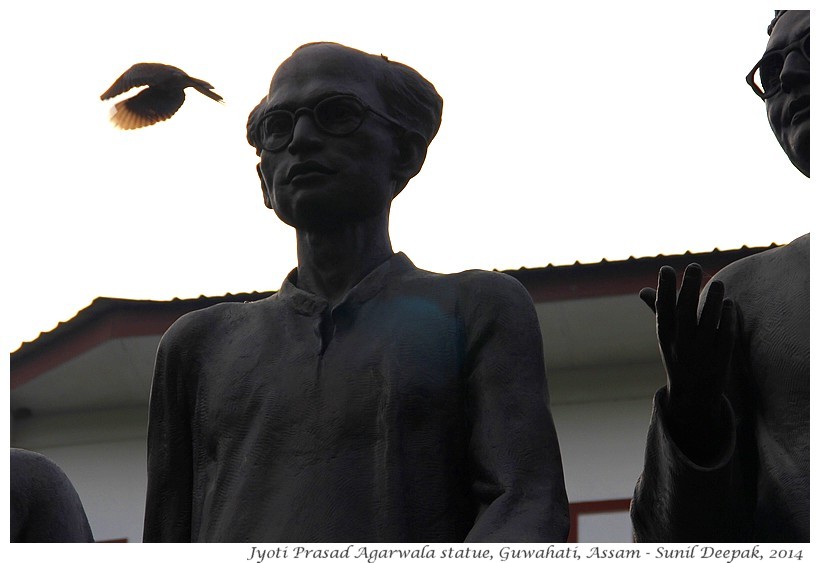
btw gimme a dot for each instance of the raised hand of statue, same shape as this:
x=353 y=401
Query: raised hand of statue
x=696 y=352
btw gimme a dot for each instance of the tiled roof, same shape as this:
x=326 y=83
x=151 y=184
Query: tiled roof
x=102 y=307
x=618 y=277
x=545 y=284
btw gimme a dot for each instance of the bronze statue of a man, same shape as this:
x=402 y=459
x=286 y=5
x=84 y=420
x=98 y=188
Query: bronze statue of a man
x=366 y=400
x=727 y=456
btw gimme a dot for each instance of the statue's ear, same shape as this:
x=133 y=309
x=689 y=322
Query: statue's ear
x=265 y=193
x=411 y=152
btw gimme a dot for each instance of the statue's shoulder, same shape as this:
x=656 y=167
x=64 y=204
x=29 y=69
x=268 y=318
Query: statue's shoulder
x=35 y=476
x=483 y=281
x=44 y=505
x=490 y=288
x=213 y=321
x=769 y=267
x=26 y=463
x=492 y=280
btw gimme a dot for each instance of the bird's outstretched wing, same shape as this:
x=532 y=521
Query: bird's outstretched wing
x=143 y=74
x=146 y=108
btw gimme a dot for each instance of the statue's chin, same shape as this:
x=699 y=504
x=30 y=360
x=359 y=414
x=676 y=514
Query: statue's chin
x=801 y=159
x=797 y=148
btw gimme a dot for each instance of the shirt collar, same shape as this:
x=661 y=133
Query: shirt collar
x=311 y=304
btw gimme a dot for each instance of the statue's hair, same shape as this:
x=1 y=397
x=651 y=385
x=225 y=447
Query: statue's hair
x=409 y=98
x=777 y=14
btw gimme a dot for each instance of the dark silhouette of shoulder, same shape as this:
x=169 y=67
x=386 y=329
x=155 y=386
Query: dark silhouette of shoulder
x=45 y=507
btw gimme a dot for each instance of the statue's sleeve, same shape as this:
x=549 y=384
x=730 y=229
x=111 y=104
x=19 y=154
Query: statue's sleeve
x=168 y=499
x=677 y=500
x=517 y=476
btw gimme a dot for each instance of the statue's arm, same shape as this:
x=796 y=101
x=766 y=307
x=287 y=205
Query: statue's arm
x=518 y=479
x=169 y=495
x=689 y=489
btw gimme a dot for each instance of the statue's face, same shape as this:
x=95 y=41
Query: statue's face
x=318 y=180
x=788 y=109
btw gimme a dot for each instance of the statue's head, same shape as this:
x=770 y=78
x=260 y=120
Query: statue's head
x=340 y=134
x=781 y=78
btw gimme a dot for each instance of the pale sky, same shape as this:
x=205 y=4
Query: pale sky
x=604 y=131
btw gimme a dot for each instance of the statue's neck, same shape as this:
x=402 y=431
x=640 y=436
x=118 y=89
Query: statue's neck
x=332 y=262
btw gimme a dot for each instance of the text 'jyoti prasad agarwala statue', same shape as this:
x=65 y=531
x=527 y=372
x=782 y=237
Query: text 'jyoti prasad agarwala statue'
x=727 y=456
x=366 y=400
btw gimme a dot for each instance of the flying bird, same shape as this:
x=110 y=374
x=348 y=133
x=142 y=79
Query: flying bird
x=161 y=99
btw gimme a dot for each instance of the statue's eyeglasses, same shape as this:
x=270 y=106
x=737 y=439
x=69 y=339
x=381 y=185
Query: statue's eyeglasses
x=765 y=76
x=337 y=115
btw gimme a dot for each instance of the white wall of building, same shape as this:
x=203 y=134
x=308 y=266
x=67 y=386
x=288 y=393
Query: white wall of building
x=602 y=446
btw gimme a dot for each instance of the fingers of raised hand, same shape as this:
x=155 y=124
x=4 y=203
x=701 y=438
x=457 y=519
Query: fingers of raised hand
x=665 y=305
x=648 y=296
x=687 y=306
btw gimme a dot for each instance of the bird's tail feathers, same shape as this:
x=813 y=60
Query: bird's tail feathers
x=207 y=89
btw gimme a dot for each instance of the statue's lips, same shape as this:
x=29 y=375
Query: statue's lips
x=304 y=169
